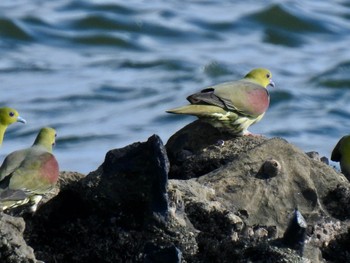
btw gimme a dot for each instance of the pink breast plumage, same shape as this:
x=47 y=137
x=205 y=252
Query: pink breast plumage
x=258 y=101
x=50 y=169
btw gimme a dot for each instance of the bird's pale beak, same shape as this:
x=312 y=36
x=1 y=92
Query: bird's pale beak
x=20 y=119
x=272 y=84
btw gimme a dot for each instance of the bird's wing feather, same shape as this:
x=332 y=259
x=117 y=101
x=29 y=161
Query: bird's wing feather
x=246 y=97
x=206 y=96
x=12 y=162
x=12 y=195
x=36 y=174
x=243 y=97
x=198 y=110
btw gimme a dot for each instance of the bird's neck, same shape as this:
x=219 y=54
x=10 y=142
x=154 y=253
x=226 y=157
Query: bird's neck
x=45 y=145
x=2 y=132
x=255 y=81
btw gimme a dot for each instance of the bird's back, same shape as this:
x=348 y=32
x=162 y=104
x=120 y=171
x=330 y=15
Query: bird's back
x=244 y=97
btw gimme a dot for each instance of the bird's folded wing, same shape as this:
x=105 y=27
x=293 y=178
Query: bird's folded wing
x=206 y=96
x=11 y=163
x=244 y=97
x=34 y=174
x=12 y=195
x=199 y=110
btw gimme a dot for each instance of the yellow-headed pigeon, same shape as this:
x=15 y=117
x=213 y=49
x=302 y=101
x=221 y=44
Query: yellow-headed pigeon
x=7 y=117
x=27 y=174
x=232 y=106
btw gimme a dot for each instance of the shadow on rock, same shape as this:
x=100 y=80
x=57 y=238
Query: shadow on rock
x=114 y=214
x=199 y=148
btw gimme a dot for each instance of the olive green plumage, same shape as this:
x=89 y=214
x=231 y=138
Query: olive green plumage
x=232 y=106
x=341 y=153
x=7 y=117
x=27 y=174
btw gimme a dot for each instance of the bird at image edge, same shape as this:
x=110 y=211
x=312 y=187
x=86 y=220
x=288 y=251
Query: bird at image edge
x=26 y=175
x=7 y=117
x=341 y=154
x=232 y=106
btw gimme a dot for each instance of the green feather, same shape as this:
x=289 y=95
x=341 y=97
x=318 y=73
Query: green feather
x=341 y=153
x=232 y=106
x=32 y=172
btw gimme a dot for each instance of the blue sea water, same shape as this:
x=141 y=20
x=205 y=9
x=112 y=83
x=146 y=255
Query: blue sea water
x=104 y=72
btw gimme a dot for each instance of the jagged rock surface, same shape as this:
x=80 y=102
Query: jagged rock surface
x=235 y=204
x=199 y=148
x=13 y=248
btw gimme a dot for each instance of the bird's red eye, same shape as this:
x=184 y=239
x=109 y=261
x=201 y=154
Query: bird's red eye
x=11 y=114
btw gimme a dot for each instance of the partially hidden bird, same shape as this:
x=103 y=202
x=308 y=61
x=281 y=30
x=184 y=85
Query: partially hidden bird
x=26 y=175
x=341 y=154
x=232 y=106
x=7 y=117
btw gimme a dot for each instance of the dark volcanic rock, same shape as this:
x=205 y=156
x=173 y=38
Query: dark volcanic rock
x=114 y=214
x=337 y=202
x=199 y=148
x=132 y=182
x=338 y=250
x=295 y=234
x=13 y=248
x=236 y=206
x=156 y=254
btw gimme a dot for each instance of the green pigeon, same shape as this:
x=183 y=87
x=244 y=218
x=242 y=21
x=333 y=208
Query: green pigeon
x=26 y=175
x=7 y=117
x=341 y=153
x=232 y=106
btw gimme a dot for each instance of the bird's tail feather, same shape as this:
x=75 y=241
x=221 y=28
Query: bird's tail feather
x=198 y=110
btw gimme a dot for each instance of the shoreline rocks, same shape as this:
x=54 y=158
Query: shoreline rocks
x=204 y=197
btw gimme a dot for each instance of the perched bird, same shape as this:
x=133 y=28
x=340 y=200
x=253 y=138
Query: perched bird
x=7 y=117
x=232 y=106
x=27 y=174
x=341 y=153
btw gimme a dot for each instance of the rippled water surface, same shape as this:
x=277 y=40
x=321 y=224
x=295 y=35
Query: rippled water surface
x=104 y=72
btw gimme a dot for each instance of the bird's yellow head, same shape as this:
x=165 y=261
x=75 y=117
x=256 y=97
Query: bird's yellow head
x=46 y=138
x=9 y=116
x=261 y=76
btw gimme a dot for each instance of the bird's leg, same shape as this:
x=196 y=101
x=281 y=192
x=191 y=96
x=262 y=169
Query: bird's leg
x=248 y=133
x=36 y=199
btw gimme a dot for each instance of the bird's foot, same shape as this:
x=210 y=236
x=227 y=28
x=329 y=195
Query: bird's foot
x=248 y=133
x=35 y=200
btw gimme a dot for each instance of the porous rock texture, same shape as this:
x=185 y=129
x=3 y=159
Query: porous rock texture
x=13 y=247
x=230 y=199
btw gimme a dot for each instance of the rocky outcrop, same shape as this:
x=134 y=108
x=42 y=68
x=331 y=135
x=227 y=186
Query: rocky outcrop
x=244 y=199
x=199 y=148
x=13 y=247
